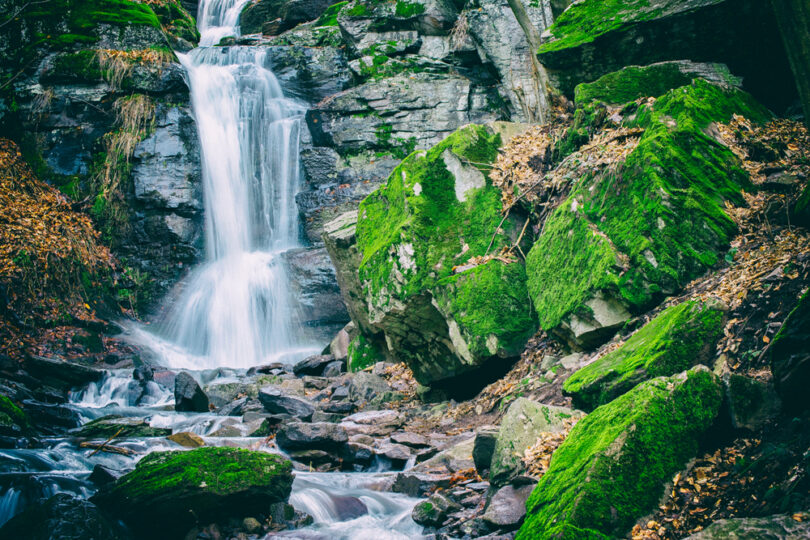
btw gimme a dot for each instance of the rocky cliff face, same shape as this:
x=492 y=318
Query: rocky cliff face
x=97 y=99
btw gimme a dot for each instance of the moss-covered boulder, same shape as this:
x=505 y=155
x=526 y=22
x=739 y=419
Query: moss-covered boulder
x=13 y=421
x=120 y=427
x=520 y=428
x=595 y=37
x=168 y=492
x=629 y=234
x=612 y=468
x=678 y=338
x=424 y=285
x=633 y=82
x=790 y=357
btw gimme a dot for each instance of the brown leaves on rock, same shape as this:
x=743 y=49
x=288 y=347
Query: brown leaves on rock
x=537 y=456
x=49 y=253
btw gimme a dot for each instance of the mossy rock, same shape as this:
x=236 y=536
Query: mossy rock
x=12 y=419
x=441 y=312
x=613 y=466
x=678 y=338
x=634 y=82
x=168 y=492
x=641 y=229
x=363 y=353
x=120 y=427
x=790 y=357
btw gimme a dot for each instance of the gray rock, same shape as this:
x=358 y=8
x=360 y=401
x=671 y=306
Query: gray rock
x=767 y=528
x=314 y=365
x=339 y=346
x=484 y=448
x=507 y=507
x=394 y=452
x=313 y=282
x=415 y=484
x=277 y=402
x=309 y=73
x=335 y=369
x=456 y=458
x=520 y=427
x=372 y=423
x=413 y=440
x=60 y=374
x=365 y=386
x=434 y=511
x=188 y=396
x=320 y=436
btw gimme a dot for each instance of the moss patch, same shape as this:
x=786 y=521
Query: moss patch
x=362 y=354
x=677 y=339
x=645 y=227
x=612 y=467
x=174 y=487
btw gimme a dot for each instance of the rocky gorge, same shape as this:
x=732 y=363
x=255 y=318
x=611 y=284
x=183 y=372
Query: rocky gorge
x=404 y=269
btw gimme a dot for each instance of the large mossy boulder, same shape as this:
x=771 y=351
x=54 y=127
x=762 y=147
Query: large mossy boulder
x=634 y=232
x=790 y=357
x=678 y=338
x=420 y=279
x=520 y=428
x=595 y=37
x=169 y=492
x=613 y=466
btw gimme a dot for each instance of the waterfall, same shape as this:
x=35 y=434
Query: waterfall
x=236 y=310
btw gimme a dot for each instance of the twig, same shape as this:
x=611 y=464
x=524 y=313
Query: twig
x=97 y=450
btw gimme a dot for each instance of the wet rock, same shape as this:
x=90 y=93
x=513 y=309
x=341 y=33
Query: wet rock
x=341 y=407
x=314 y=365
x=322 y=436
x=63 y=517
x=419 y=484
x=49 y=415
x=790 y=357
x=484 y=448
x=277 y=402
x=172 y=488
x=284 y=516
x=347 y=507
x=187 y=439
x=397 y=453
x=251 y=525
x=433 y=512
x=772 y=528
x=121 y=427
x=507 y=507
x=61 y=374
x=188 y=396
x=101 y=475
x=523 y=422
x=373 y=423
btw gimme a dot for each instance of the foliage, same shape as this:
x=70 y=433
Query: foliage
x=51 y=261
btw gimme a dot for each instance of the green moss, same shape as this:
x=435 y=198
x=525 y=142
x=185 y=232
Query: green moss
x=677 y=339
x=631 y=83
x=613 y=466
x=490 y=300
x=118 y=426
x=82 y=66
x=434 y=218
x=648 y=226
x=329 y=17
x=362 y=354
x=219 y=471
x=14 y=413
x=358 y=10
x=586 y=20
x=408 y=9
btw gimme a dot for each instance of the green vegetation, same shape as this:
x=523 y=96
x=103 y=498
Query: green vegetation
x=408 y=9
x=631 y=83
x=329 y=17
x=651 y=224
x=677 y=339
x=613 y=466
x=11 y=415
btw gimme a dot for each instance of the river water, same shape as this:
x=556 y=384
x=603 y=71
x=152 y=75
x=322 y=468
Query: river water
x=233 y=312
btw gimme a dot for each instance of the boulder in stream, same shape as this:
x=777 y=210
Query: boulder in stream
x=277 y=402
x=168 y=492
x=188 y=396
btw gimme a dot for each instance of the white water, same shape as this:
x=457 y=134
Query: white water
x=236 y=309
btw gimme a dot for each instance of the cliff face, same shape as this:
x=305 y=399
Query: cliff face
x=95 y=96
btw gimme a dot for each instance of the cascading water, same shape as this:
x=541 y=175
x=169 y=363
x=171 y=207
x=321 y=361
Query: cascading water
x=236 y=310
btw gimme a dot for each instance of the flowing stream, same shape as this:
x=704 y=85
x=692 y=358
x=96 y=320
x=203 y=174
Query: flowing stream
x=232 y=313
